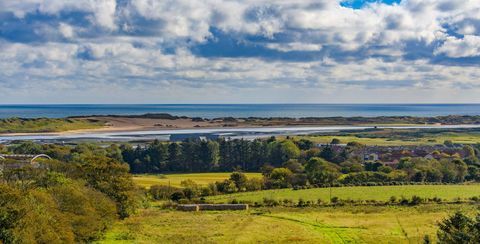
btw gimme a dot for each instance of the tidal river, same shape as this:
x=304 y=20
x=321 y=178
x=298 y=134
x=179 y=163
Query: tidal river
x=179 y=134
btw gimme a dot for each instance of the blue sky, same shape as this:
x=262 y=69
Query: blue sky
x=239 y=51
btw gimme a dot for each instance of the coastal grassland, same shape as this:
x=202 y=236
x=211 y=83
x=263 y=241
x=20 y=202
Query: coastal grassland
x=379 y=193
x=19 y=125
x=176 y=179
x=396 y=137
x=346 y=224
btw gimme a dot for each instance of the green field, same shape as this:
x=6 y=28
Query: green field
x=361 y=224
x=379 y=193
x=463 y=138
x=18 y=125
x=176 y=179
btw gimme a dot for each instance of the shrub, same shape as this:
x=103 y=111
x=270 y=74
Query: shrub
x=334 y=200
x=301 y=203
x=254 y=184
x=416 y=200
x=270 y=202
x=393 y=199
x=176 y=196
x=161 y=192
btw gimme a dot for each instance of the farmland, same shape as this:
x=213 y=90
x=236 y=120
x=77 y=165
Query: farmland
x=400 y=137
x=320 y=224
x=379 y=193
x=176 y=179
x=360 y=224
x=429 y=139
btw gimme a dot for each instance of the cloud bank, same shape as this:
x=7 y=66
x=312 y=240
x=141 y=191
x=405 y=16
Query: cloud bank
x=239 y=51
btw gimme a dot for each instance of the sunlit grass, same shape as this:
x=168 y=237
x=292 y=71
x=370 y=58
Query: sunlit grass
x=360 y=224
x=379 y=193
x=17 y=125
x=176 y=179
x=463 y=138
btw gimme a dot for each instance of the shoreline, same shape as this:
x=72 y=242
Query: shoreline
x=280 y=130
x=156 y=123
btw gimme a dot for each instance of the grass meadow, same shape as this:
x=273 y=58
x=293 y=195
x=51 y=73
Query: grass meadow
x=379 y=193
x=346 y=224
x=17 y=125
x=321 y=224
x=176 y=179
x=463 y=138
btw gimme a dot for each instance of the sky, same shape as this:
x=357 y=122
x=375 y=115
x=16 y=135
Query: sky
x=239 y=51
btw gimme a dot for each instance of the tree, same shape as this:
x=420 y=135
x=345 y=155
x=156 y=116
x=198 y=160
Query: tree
x=27 y=147
x=294 y=166
x=174 y=157
x=282 y=151
x=111 y=178
x=335 y=141
x=460 y=229
x=320 y=171
x=448 y=143
x=240 y=180
x=279 y=178
x=304 y=144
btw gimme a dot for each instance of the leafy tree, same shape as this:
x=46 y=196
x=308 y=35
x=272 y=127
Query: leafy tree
x=240 y=180
x=279 y=178
x=448 y=143
x=459 y=228
x=304 y=144
x=111 y=178
x=335 y=141
x=27 y=147
x=320 y=171
x=294 y=166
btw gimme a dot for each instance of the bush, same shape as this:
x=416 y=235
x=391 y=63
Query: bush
x=254 y=184
x=176 y=196
x=301 y=203
x=334 y=200
x=416 y=200
x=270 y=202
x=161 y=192
x=393 y=199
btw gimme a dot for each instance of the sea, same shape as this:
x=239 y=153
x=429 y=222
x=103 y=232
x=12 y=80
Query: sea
x=239 y=110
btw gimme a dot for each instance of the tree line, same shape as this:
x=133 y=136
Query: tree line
x=207 y=156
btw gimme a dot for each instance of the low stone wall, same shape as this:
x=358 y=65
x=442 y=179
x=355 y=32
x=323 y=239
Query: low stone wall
x=188 y=207
x=198 y=207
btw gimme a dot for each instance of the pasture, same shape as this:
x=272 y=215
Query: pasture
x=379 y=193
x=360 y=224
x=428 y=139
x=176 y=179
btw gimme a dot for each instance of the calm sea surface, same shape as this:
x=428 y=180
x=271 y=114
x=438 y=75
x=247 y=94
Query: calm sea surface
x=241 y=110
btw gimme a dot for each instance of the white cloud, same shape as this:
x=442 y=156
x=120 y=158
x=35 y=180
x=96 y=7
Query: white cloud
x=266 y=46
x=66 y=30
x=468 y=46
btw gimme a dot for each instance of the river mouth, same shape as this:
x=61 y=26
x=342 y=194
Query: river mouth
x=206 y=133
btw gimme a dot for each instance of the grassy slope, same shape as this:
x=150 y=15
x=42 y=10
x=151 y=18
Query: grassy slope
x=383 y=193
x=17 y=125
x=176 y=179
x=364 y=224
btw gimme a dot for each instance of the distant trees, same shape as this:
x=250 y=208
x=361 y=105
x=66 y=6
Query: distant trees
x=199 y=156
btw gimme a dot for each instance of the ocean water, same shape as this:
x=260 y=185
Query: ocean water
x=240 y=110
